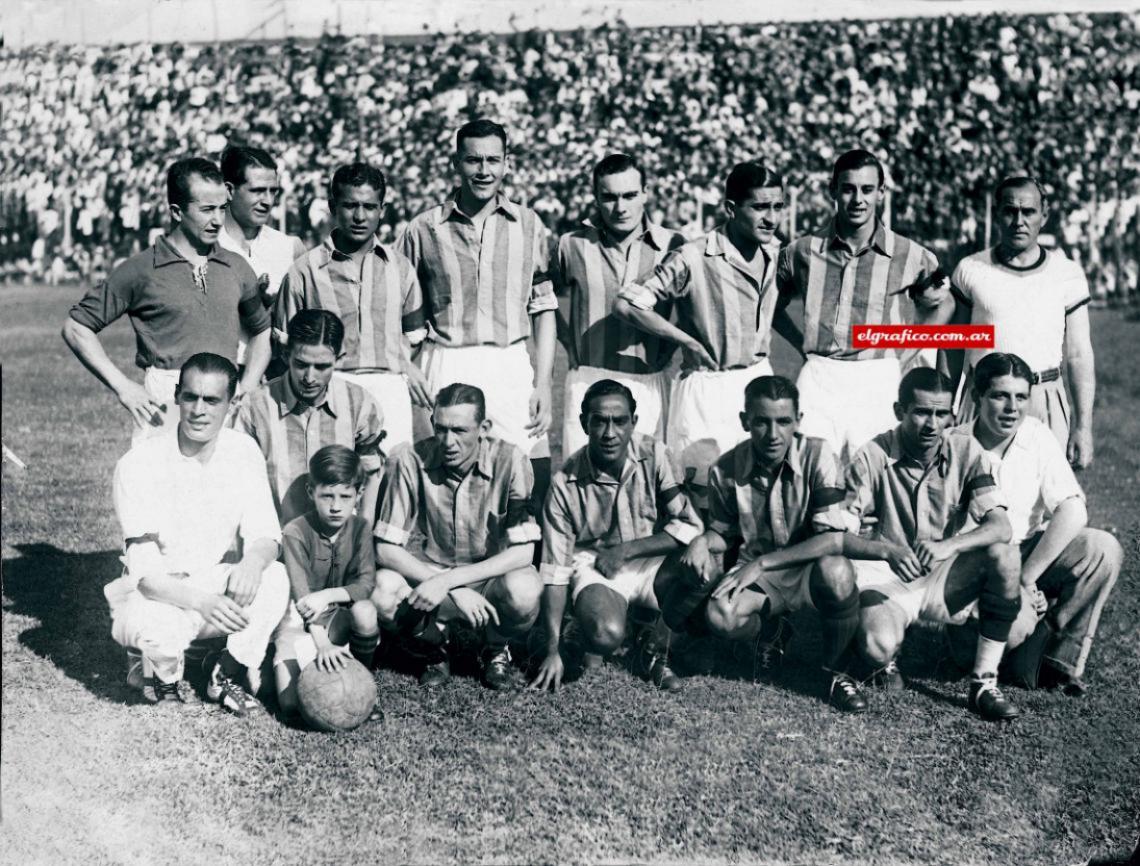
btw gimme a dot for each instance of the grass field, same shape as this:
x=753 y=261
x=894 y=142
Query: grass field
x=607 y=771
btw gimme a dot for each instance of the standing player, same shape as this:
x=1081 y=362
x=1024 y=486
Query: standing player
x=919 y=486
x=467 y=496
x=855 y=271
x=620 y=246
x=184 y=295
x=251 y=178
x=483 y=262
x=614 y=522
x=1036 y=301
x=776 y=493
x=373 y=289
x=721 y=288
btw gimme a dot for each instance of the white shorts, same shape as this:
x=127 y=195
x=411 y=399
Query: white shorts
x=293 y=642
x=847 y=403
x=650 y=390
x=390 y=391
x=704 y=416
x=160 y=384
x=506 y=377
x=924 y=598
x=788 y=590
x=634 y=582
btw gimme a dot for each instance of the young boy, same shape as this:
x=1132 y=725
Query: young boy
x=331 y=568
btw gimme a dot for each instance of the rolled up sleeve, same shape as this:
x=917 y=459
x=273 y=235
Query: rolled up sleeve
x=522 y=528
x=670 y=280
x=683 y=524
x=399 y=499
x=258 y=516
x=981 y=488
x=559 y=536
x=107 y=301
x=827 y=495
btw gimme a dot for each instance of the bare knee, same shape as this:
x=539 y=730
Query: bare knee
x=1004 y=563
x=391 y=589
x=723 y=618
x=364 y=617
x=603 y=634
x=519 y=594
x=880 y=635
x=832 y=579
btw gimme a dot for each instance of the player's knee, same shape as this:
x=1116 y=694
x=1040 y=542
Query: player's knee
x=832 y=580
x=879 y=636
x=386 y=597
x=1004 y=562
x=603 y=634
x=275 y=581
x=1105 y=552
x=364 y=616
x=723 y=618
x=520 y=594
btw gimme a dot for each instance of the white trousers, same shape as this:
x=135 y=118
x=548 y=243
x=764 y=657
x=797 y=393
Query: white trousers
x=650 y=390
x=847 y=403
x=160 y=384
x=390 y=391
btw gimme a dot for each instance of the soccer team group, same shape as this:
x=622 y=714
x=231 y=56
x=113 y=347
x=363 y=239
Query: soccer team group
x=380 y=404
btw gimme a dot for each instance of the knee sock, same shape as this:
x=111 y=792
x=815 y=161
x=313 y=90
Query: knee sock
x=840 y=622
x=363 y=646
x=996 y=615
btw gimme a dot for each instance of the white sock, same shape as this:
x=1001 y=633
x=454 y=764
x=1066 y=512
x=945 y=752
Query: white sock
x=987 y=657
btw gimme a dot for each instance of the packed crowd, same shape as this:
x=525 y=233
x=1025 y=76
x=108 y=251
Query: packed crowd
x=950 y=104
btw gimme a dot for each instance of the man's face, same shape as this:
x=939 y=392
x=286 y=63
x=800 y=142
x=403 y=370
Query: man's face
x=251 y=203
x=757 y=217
x=203 y=216
x=857 y=194
x=203 y=402
x=922 y=422
x=1002 y=408
x=481 y=163
x=1020 y=216
x=771 y=425
x=621 y=201
x=609 y=424
x=356 y=212
x=334 y=503
x=310 y=369
x=457 y=431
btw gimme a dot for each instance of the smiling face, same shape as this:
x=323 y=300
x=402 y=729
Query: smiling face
x=251 y=203
x=1020 y=213
x=1002 y=408
x=772 y=426
x=203 y=216
x=621 y=201
x=922 y=422
x=203 y=402
x=356 y=212
x=757 y=217
x=310 y=370
x=481 y=163
x=857 y=194
x=610 y=425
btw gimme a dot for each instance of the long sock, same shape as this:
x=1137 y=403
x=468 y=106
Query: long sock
x=363 y=646
x=840 y=621
x=988 y=656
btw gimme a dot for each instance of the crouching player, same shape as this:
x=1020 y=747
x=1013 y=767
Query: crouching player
x=468 y=495
x=780 y=494
x=615 y=520
x=332 y=572
x=182 y=500
x=1067 y=569
x=916 y=487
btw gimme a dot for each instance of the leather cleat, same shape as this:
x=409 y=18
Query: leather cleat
x=987 y=700
x=845 y=695
x=154 y=691
x=436 y=673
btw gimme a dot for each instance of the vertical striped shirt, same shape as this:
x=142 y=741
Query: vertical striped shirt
x=481 y=287
x=841 y=288
x=586 y=508
x=912 y=502
x=380 y=304
x=769 y=511
x=289 y=432
x=719 y=299
x=593 y=267
x=460 y=521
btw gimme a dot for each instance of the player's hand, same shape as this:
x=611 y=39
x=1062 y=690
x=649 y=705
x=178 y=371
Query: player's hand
x=145 y=410
x=263 y=292
x=312 y=606
x=736 y=583
x=609 y=560
x=701 y=356
x=331 y=657
x=474 y=607
x=700 y=560
x=541 y=411
x=1040 y=602
x=550 y=673
x=430 y=594
x=244 y=581
x=417 y=386
x=904 y=563
x=1080 y=450
x=934 y=294
x=223 y=613
x=930 y=552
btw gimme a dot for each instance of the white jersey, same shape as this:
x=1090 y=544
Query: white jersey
x=270 y=254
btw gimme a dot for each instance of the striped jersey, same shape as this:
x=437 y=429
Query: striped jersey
x=841 y=288
x=718 y=298
x=593 y=267
x=289 y=432
x=380 y=303
x=481 y=287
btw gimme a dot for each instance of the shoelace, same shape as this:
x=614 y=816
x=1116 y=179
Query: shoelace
x=891 y=668
x=845 y=684
x=990 y=685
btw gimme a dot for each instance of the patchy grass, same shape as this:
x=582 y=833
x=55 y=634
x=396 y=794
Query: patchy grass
x=607 y=771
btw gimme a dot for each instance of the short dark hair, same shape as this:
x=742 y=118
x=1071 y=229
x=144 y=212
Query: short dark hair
x=923 y=379
x=336 y=464
x=1020 y=181
x=605 y=388
x=208 y=362
x=998 y=364
x=357 y=174
x=238 y=158
x=747 y=176
x=616 y=163
x=179 y=174
x=772 y=388
x=458 y=394
x=316 y=328
x=481 y=128
x=854 y=160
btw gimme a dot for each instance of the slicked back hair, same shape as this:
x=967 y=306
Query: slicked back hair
x=616 y=163
x=316 y=328
x=854 y=160
x=923 y=379
x=208 y=362
x=458 y=394
x=772 y=388
x=481 y=128
x=605 y=388
x=238 y=158
x=357 y=174
x=1020 y=181
x=998 y=364
x=336 y=464
x=179 y=174
x=747 y=176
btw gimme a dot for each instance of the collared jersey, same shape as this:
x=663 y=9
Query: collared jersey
x=586 y=508
x=593 y=268
x=1028 y=307
x=314 y=561
x=841 y=288
x=1034 y=475
x=271 y=253
x=379 y=303
x=719 y=299
x=481 y=287
x=769 y=511
x=460 y=521
x=914 y=503
x=172 y=315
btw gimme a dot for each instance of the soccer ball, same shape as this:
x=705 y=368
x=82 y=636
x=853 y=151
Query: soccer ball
x=337 y=700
